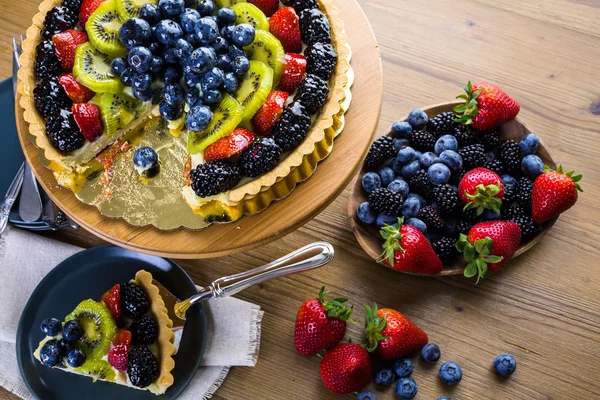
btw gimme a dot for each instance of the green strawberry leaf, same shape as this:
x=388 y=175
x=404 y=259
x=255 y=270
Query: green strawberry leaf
x=470 y=270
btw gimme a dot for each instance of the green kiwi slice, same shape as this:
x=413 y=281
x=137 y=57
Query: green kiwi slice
x=92 y=69
x=98 y=326
x=226 y=118
x=128 y=9
x=250 y=14
x=227 y=3
x=103 y=29
x=97 y=369
x=118 y=110
x=255 y=88
x=268 y=49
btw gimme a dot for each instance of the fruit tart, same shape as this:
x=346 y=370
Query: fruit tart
x=253 y=86
x=124 y=338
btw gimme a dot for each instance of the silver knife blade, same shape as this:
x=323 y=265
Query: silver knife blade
x=30 y=202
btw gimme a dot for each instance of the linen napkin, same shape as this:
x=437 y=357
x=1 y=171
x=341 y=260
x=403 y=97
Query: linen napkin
x=25 y=258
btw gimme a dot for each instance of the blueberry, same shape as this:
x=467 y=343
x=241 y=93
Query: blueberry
x=445 y=142
x=183 y=50
x=387 y=176
x=444 y=398
x=411 y=207
x=438 y=174
x=417 y=223
x=410 y=169
x=171 y=8
x=63 y=346
x=134 y=32
x=75 y=358
x=154 y=47
x=505 y=364
x=206 y=30
x=450 y=373
x=119 y=65
x=213 y=79
x=508 y=180
x=226 y=16
x=171 y=55
x=529 y=144
x=191 y=80
x=142 y=81
x=451 y=159
x=490 y=215
x=198 y=118
x=235 y=52
x=143 y=95
x=72 y=330
x=50 y=327
x=50 y=354
x=145 y=158
x=406 y=389
x=418 y=155
x=532 y=166
x=227 y=32
x=188 y=21
x=366 y=396
x=417 y=119
x=192 y=39
x=169 y=112
x=157 y=64
x=365 y=213
x=243 y=35
x=406 y=155
x=127 y=76
x=230 y=83
x=385 y=377
x=172 y=75
x=151 y=13
x=431 y=352
x=212 y=96
x=202 y=59
x=428 y=159
x=399 y=185
x=403 y=368
x=192 y=97
x=370 y=182
x=383 y=220
x=223 y=62
x=221 y=46
x=401 y=143
x=401 y=129
x=490 y=156
x=205 y=7
x=173 y=94
x=168 y=31
x=422 y=201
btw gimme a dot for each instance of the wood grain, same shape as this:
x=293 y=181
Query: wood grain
x=544 y=308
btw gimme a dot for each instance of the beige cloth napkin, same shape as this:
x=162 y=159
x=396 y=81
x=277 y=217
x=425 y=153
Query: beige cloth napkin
x=25 y=258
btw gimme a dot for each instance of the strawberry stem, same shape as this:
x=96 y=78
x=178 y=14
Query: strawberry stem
x=336 y=307
x=559 y=170
x=484 y=198
x=374 y=325
x=477 y=256
x=465 y=112
x=393 y=240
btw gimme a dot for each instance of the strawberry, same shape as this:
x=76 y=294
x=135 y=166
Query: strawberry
x=320 y=324
x=391 y=335
x=346 y=368
x=119 y=348
x=112 y=300
x=75 y=90
x=88 y=119
x=65 y=44
x=554 y=192
x=270 y=112
x=87 y=8
x=235 y=143
x=285 y=26
x=486 y=106
x=407 y=249
x=268 y=7
x=294 y=69
x=481 y=188
x=489 y=245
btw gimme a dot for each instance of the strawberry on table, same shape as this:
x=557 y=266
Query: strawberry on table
x=88 y=119
x=482 y=189
x=346 y=368
x=270 y=112
x=320 y=324
x=75 y=90
x=65 y=44
x=488 y=246
x=87 y=8
x=230 y=145
x=486 y=106
x=554 y=192
x=269 y=7
x=119 y=350
x=285 y=26
x=294 y=69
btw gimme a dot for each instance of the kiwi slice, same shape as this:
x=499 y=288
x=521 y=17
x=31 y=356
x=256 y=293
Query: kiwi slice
x=250 y=14
x=98 y=326
x=268 y=49
x=255 y=88
x=97 y=369
x=226 y=118
x=103 y=29
x=227 y=3
x=118 y=110
x=92 y=69
x=128 y=9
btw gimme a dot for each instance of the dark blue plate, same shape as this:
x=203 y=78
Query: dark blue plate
x=88 y=275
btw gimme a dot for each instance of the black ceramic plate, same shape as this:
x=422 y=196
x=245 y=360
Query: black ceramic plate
x=88 y=275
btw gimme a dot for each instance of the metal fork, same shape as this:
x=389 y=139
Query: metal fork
x=10 y=197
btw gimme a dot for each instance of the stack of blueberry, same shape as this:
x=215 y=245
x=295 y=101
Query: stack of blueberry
x=177 y=40
x=61 y=344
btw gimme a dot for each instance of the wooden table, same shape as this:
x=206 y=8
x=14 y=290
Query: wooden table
x=545 y=306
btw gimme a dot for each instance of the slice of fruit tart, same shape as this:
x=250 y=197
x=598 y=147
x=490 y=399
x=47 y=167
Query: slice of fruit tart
x=124 y=338
x=254 y=85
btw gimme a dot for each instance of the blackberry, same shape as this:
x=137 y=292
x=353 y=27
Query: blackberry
x=291 y=128
x=301 y=5
x=63 y=132
x=524 y=188
x=312 y=93
x=386 y=201
x=519 y=216
x=46 y=62
x=142 y=366
x=465 y=135
x=445 y=248
x=431 y=217
x=446 y=198
x=143 y=330
x=73 y=5
x=467 y=214
x=215 y=177
x=134 y=301
x=57 y=20
x=457 y=176
x=314 y=27
x=510 y=155
x=321 y=59
x=464 y=226
x=422 y=141
x=419 y=183
x=473 y=156
x=381 y=150
x=494 y=165
x=510 y=194
x=50 y=97
x=490 y=139
x=441 y=124
x=261 y=156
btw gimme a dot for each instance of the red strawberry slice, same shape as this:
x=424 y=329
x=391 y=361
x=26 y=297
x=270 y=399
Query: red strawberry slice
x=270 y=112
x=294 y=69
x=269 y=7
x=65 y=44
x=75 y=90
x=238 y=141
x=112 y=300
x=87 y=8
x=285 y=26
x=88 y=119
x=119 y=349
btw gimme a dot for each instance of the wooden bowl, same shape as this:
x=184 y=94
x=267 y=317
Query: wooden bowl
x=368 y=235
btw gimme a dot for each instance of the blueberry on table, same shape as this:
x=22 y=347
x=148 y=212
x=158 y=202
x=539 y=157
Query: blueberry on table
x=50 y=327
x=406 y=389
x=173 y=94
x=226 y=16
x=366 y=396
x=399 y=185
x=403 y=367
x=127 y=76
x=428 y=159
x=400 y=143
x=140 y=58
x=206 y=30
x=151 y=13
x=243 y=35
x=119 y=65
x=422 y=201
x=167 y=32
x=431 y=352
x=145 y=158
x=72 y=330
x=198 y=118
x=142 y=81
x=230 y=83
x=402 y=129
x=387 y=176
x=529 y=144
x=75 y=358
x=410 y=207
x=451 y=159
x=508 y=180
x=213 y=79
x=406 y=155
x=202 y=59
x=205 y=7
x=385 y=377
x=410 y=169
x=532 y=166
x=450 y=373
x=189 y=19
x=135 y=32
x=445 y=142
x=50 y=354
x=171 y=8
x=438 y=174
x=370 y=182
x=169 y=112
x=505 y=364
x=417 y=119
x=417 y=223
x=365 y=213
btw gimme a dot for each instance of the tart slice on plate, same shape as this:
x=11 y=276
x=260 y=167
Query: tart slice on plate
x=123 y=338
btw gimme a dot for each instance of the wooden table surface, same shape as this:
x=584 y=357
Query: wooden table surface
x=543 y=307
